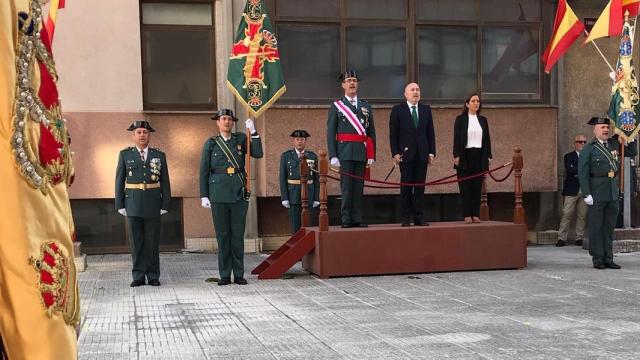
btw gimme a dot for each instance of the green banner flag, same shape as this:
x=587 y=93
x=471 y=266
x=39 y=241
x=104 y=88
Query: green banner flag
x=255 y=74
x=623 y=108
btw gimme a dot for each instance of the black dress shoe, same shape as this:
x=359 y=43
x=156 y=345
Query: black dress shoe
x=612 y=265
x=359 y=225
x=579 y=242
x=405 y=224
x=240 y=281
x=136 y=283
x=223 y=282
x=561 y=243
x=420 y=223
x=599 y=266
x=346 y=226
x=154 y=282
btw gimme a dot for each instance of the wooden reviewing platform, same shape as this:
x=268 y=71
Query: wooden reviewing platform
x=392 y=249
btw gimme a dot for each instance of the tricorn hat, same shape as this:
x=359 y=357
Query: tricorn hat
x=141 y=124
x=224 y=112
x=598 y=121
x=300 y=134
x=348 y=74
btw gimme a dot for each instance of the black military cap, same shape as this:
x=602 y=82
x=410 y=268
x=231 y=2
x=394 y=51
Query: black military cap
x=598 y=121
x=141 y=124
x=348 y=74
x=300 y=134
x=224 y=112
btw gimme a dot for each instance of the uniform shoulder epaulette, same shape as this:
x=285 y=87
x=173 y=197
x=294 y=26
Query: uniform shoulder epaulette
x=363 y=100
x=158 y=150
x=128 y=148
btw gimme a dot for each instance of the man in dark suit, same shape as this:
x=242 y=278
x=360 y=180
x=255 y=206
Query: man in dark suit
x=351 y=139
x=413 y=148
x=573 y=204
x=143 y=194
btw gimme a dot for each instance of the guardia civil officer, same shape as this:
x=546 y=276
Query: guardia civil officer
x=143 y=194
x=290 y=187
x=351 y=139
x=222 y=189
x=598 y=167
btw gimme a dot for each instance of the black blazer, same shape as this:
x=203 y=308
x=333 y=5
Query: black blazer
x=571 y=182
x=420 y=141
x=460 y=129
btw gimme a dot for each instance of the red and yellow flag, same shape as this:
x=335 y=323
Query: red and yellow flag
x=632 y=6
x=51 y=19
x=609 y=23
x=566 y=29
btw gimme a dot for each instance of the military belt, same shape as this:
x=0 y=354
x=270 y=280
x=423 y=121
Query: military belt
x=611 y=174
x=228 y=170
x=297 y=182
x=142 y=187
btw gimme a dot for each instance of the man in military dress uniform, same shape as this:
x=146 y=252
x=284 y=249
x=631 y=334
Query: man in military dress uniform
x=290 y=187
x=598 y=168
x=143 y=194
x=222 y=189
x=351 y=139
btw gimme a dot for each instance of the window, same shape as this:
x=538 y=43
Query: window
x=178 y=56
x=450 y=47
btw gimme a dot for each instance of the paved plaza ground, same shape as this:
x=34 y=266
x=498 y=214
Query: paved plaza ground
x=559 y=307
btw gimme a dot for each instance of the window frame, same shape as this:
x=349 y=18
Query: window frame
x=411 y=24
x=151 y=106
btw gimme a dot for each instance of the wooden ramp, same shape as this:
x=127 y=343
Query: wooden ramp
x=392 y=249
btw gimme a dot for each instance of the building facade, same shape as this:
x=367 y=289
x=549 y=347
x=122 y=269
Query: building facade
x=166 y=61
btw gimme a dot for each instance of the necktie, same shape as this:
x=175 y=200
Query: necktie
x=606 y=145
x=142 y=155
x=414 y=115
x=353 y=102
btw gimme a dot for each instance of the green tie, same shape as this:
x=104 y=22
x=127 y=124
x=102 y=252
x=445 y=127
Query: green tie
x=414 y=115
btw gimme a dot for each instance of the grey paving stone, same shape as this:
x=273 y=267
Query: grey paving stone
x=559 y=307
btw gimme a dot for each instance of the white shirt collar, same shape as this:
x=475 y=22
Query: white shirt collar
x=146 y=149
x=410 y=105
x=353 y=99
x=298 y=152
x=225 y=138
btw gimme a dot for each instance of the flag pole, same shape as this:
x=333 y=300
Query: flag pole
x=599 y=52
x=247 y=161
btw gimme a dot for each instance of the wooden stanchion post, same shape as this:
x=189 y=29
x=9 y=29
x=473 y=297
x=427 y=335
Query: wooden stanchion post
x=323 y=221
x=518 y=163
x=484 y=204
x=304 y=196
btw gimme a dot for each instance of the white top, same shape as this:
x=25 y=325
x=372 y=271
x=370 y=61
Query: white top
x=474 y=133
x=146 y=152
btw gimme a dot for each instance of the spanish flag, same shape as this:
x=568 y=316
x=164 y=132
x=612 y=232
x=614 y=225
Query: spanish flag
x=566 y=29
x=51 y=19
x=609 y=23
x=632 y=6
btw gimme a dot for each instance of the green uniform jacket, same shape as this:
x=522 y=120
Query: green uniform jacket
x=225 y=188
x=338 y=124
x=290 y=170
x=132 y=170
x=594 y=163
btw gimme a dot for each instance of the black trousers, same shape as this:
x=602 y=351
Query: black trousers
x=470 y=190
x=412 y=197
x=352 y=191
x=601 y=217
x=145 y=252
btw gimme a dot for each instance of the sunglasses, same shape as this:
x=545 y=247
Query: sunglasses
x=581 y=141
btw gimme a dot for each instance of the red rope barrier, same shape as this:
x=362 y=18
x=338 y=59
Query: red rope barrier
x=440 y=181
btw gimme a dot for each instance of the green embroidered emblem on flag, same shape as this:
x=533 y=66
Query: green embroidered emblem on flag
x=255 y=74
x=623 y=108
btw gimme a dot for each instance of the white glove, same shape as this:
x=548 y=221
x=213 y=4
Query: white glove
x=370 y=161
x=612 y=75
x=335 y=162
x=250 y=125
x=285 y=203
x=588 y=200
x=163 y=211
x=122 y=211
x=205 y=203
x=316 y=203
